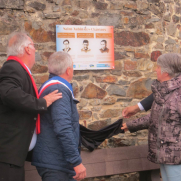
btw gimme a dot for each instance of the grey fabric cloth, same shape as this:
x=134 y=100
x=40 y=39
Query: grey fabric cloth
x=58 y=143
x=164 y=122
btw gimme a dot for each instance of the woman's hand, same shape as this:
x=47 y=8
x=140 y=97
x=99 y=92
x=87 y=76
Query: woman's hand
x=124 y=127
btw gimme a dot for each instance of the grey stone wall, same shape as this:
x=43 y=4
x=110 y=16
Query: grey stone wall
x=143 y=30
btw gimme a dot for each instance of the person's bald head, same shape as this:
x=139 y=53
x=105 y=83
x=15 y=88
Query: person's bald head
x=16 y=43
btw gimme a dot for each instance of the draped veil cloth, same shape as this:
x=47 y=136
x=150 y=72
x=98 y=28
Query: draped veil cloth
x=92 y=139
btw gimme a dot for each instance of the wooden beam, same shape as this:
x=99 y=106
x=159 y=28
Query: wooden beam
x=110 y=161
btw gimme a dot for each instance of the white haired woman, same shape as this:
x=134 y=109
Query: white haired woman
x=165 y=117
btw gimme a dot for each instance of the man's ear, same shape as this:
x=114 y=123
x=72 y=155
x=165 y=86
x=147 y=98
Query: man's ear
x=27 y=50
x=68 y=71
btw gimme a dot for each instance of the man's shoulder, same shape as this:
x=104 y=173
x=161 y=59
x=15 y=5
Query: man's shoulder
x=107 y=49
x=12 y=63
x=101 y=50
x=60 y=87
x=83 y=50
x=12 y=66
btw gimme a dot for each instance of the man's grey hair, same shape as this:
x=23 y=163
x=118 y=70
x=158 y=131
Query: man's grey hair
x=17 y=41
x=58 y=63
x=170 y=63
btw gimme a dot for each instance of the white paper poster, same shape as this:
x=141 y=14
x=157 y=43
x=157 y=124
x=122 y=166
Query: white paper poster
x=91 y=47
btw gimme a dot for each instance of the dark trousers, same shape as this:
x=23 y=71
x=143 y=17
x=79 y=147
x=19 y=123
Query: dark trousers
x=54 y=175
x=9 y=172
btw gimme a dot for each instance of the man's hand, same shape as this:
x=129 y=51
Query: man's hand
x=80 y=171
x=130 y=111
x=124 y=127
x=53 y=96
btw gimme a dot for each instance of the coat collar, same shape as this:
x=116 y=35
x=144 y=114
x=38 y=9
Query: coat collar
x=54 y=79
x=161 y=91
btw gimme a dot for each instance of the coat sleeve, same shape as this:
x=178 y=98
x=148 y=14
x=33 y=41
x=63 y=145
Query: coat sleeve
x=147 y=102
x=61 y=114
x=12 y=94
x=139 y=124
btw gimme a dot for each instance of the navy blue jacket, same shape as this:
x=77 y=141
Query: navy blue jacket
x=58 y=143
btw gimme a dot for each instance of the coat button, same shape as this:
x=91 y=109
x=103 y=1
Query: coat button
x=35 y=118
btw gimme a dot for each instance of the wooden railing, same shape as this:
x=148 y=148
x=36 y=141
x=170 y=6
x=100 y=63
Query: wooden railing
x=112 y=161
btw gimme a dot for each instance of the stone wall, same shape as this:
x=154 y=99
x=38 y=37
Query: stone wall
x=143 y=30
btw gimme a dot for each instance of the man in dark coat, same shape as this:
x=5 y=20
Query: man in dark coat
x=19 y=107
x=144 y=105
